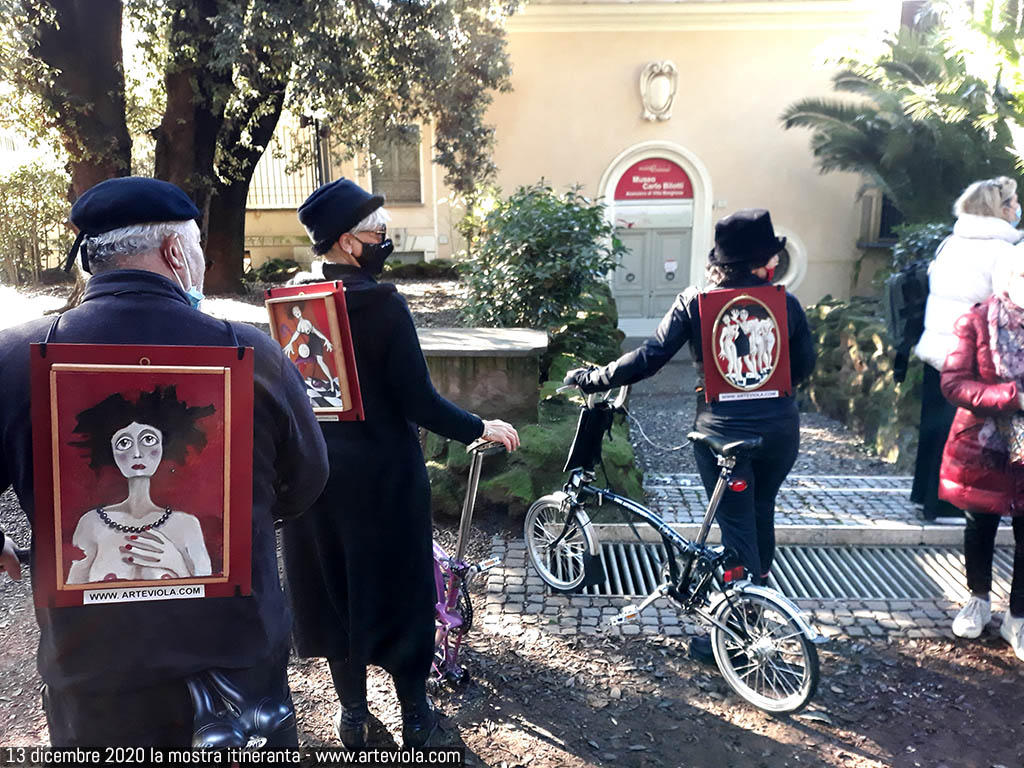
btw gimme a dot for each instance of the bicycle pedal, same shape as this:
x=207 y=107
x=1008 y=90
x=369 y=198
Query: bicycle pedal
x=486 y=565
x=629 y=613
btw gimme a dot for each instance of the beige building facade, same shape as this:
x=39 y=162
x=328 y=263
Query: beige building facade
x=670 y=112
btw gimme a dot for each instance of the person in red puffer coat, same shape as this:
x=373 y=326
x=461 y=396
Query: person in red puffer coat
x=984 y=377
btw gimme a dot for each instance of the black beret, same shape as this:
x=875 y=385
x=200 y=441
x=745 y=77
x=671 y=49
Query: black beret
x=122 y=202
x=746 y=236
x=334 y=209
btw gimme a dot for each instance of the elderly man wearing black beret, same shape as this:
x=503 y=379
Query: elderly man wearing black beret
x=358 y=566
x=117 y=674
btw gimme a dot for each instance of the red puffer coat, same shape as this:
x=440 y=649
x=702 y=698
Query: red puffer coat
x=973 y=477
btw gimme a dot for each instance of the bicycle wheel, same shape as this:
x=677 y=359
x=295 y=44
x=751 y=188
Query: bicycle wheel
x=770 y=662
x=561 y=565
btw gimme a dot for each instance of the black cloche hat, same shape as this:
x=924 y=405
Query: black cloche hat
x=334 y=209
x=122 y=202
x=746 y=236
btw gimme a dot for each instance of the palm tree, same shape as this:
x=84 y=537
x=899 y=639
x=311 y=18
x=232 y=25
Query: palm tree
x=922 y=130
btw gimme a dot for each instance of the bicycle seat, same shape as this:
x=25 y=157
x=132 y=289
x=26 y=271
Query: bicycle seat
x=725 y=446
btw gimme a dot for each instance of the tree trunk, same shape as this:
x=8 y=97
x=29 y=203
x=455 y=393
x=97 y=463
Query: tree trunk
x=186 y=140
x=225 y=241
x=83 y=50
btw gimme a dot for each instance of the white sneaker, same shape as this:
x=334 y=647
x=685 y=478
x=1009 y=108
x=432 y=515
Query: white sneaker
x=1013 y=633
x=972 y=618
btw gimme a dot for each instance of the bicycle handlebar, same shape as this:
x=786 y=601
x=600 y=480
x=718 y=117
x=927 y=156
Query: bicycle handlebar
x=485 y=447
x=599 y=397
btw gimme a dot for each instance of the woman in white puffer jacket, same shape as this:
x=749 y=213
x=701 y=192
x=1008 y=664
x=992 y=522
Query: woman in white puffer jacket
x=985 y=232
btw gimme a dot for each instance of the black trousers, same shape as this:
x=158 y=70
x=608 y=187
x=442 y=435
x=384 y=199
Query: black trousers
x=747 y=518
x=936 y=418
x=159 y=716
x=979 y=546
x=350 y=685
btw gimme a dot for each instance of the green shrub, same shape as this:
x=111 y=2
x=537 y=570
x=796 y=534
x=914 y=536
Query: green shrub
x=438 y=269
x=590 y=335
x=33 y=208
x=853 y=380
x=538 y=255
x=513 y=482
x=276 y=270
x=918 y=241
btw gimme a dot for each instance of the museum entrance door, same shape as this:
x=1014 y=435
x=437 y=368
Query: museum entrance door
x=653 y=214
x=657 y=265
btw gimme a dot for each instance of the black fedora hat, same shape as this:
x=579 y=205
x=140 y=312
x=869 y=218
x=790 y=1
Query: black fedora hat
x=746 y=236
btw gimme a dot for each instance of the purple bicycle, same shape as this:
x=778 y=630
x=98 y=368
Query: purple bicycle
x=453 y=615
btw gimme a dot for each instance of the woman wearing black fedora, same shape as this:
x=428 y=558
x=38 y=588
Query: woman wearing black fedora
x=745 y=256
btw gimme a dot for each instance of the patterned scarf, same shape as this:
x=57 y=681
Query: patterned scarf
x=1006 y=341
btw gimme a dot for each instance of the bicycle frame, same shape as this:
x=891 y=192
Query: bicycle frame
x=696 y=554
x=579 y=491
x=451 y=574
x=760 y=642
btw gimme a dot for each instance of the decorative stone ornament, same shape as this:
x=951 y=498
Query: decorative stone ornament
x=658 y=82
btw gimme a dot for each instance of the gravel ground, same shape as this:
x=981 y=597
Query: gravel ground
x=664 y=405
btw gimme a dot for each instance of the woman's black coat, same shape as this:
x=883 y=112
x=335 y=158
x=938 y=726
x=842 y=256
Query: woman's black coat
x=358 y=564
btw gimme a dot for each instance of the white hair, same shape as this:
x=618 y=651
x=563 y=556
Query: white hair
x=376 y=220
x=113 y=249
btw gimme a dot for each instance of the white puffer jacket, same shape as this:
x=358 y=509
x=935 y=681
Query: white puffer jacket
x=960 y=277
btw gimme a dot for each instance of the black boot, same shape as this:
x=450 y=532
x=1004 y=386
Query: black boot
x=418 y=727
x=350 y=726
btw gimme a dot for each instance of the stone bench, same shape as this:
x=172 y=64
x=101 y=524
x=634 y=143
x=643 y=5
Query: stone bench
x=494 y=372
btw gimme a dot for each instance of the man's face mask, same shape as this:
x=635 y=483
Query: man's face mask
x=192 y=293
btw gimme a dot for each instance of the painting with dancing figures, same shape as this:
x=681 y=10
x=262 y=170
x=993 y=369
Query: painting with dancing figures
x=746 y=343
x=310 y=322
x=143 y=465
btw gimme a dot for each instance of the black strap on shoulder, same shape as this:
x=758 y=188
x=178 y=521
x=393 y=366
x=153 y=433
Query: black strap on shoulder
x=51 y=335
x=234 y=339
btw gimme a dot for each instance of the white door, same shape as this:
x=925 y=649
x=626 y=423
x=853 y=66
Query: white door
x=629 y=281
x=655 y=269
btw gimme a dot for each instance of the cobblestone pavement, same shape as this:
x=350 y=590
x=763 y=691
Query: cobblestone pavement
x=517 y=603
x=823 y=509
x=804 y=499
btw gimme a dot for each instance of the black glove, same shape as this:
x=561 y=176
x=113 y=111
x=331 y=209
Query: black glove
x=579 y=377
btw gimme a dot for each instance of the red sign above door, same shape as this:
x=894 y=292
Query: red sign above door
x=654 y=179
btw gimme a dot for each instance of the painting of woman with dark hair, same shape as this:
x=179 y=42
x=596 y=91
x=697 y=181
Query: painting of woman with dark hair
x=136 y=538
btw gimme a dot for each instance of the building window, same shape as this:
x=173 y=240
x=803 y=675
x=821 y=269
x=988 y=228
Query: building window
x=878 y=221
x=396 y=174
x=275 y=183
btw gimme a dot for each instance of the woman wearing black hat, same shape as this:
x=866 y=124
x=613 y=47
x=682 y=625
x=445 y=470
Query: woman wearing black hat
x=358 y=566
x=745 y=255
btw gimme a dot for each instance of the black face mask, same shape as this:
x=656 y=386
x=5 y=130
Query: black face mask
x=374 y=255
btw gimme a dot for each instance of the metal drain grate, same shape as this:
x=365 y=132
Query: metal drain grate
x=824 y=573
